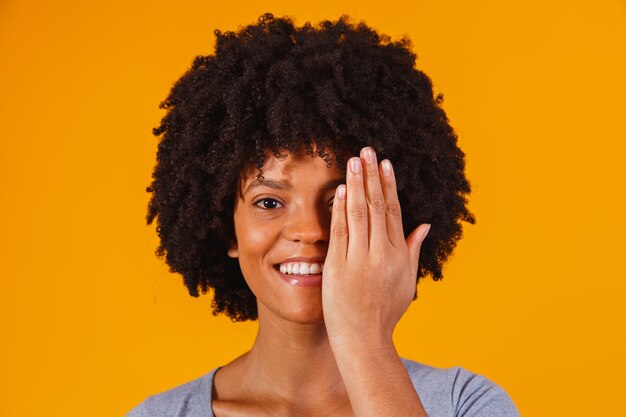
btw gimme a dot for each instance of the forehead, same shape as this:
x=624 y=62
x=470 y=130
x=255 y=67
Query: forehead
x=294 y=169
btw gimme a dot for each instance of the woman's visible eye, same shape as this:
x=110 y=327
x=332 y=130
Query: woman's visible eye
x=268 y=203
x=330 y=203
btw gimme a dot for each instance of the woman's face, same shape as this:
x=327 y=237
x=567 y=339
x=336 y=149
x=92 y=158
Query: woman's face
x=282 y=227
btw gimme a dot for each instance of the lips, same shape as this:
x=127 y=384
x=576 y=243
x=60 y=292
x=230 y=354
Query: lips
x=301 y=271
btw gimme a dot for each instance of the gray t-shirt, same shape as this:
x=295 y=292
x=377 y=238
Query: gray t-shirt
x=451 y=392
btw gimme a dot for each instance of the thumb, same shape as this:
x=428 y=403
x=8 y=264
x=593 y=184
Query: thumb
x=414 y=243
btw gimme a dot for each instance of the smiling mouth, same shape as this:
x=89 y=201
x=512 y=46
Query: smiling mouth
x=300 y=268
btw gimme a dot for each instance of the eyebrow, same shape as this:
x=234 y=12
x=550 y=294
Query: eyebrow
x=277 y=185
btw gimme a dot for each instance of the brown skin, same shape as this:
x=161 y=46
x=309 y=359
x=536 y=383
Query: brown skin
x=325 y=349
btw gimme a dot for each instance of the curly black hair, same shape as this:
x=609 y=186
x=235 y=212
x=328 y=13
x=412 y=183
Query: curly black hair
x=333 y=88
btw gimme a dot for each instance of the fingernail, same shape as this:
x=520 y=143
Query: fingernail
x=426 y=232
x=341 y=192
x=369 y=155
x=355 y=165
x=387 y=168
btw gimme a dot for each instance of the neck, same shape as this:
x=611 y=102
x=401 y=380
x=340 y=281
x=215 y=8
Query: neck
x=292 y=362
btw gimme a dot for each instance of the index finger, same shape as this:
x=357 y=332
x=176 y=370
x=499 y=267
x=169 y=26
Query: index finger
x=338 y=243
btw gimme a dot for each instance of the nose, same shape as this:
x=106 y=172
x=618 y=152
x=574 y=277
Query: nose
x=308 y=224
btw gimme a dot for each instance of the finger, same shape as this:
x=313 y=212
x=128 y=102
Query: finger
x=374 y=198
x=393 y=214
x=338 y=243
x=414 y=243
x=356 y=207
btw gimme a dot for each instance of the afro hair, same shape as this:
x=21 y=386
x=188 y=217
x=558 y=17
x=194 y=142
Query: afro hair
x=335 y=87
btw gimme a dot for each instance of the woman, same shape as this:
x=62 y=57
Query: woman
x=274 y=188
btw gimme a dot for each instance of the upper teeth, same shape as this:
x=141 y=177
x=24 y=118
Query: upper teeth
x=301 y=268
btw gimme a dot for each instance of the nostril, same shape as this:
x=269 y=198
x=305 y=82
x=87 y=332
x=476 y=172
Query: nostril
x=305 y=228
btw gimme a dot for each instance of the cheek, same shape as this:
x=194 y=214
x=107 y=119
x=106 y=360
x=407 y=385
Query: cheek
x=256 y=239
x=255 y=244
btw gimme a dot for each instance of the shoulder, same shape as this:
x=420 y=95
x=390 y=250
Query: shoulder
x=188 y=400
x=458 y=392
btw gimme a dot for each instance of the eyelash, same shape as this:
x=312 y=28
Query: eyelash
x=258 y=202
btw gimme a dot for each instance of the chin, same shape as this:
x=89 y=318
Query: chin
x=306 y=317
x=305 y=310
x=298 y=311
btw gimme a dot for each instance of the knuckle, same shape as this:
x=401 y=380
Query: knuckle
x=339 y=230
x=359 y=214
x=371 y=172
x=393 y=209
x=377 y=202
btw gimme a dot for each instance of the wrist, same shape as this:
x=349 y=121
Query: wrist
x=361 y=342
x=356 y=353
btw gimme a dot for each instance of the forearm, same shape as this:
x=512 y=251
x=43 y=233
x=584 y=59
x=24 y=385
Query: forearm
x=378 y=383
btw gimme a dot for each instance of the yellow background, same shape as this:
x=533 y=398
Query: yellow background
x=92 y=322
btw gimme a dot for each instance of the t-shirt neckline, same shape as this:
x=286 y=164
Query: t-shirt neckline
x=207 y=390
